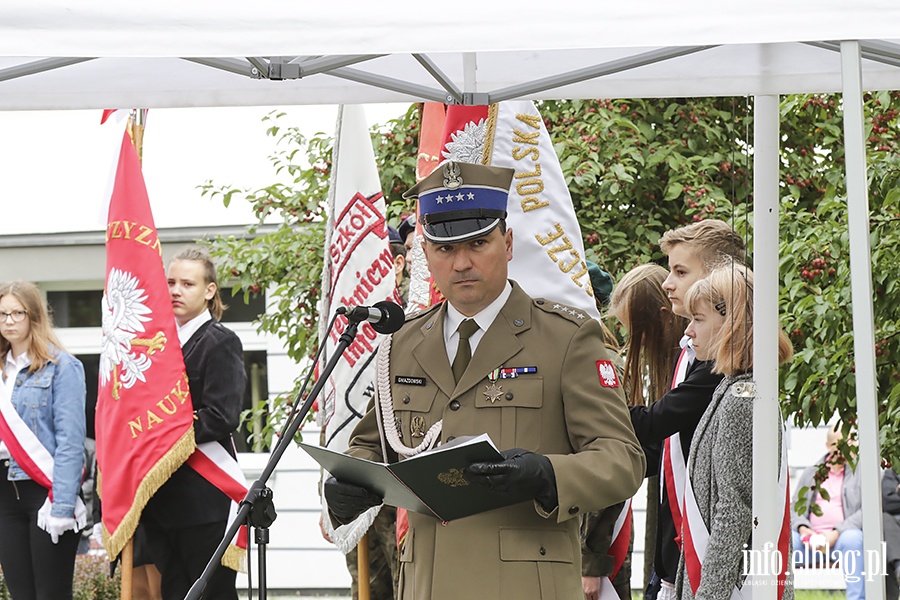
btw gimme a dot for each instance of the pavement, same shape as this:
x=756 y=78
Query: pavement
x=299 y=595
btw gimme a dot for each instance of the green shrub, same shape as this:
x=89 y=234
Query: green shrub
x=91 y=580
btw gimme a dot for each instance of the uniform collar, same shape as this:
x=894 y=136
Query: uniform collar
x=484 y=318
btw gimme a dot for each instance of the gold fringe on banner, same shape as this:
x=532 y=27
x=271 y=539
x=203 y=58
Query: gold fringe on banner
x=488 y=152
x=235 y=558
x=152 y=481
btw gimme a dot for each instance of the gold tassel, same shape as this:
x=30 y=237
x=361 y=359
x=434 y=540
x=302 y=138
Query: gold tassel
x=235 y=558
x=152 y=481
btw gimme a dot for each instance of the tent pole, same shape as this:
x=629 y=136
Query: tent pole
x=768 y=508
x=863 y=317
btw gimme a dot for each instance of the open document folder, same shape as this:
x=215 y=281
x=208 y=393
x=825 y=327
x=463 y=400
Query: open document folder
x=431 y=483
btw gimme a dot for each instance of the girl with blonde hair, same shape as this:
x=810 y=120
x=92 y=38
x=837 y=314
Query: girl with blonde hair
x=720 y=467
x=42 y=426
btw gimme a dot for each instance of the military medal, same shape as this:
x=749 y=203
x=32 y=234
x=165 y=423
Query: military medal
x=417 y=427
x=493 y=392
x=513 y=372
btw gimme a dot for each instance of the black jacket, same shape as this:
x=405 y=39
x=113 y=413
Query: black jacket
x=890 y=492
x=678 y=411
x=215 y=367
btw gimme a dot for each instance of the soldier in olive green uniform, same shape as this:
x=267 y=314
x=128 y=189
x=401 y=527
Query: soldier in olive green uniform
x=532 y=373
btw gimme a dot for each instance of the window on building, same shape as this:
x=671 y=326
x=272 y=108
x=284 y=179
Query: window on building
x=91 y=364
x=249 y=435
x=240 y=311
x=76 y=308
x=81 y=308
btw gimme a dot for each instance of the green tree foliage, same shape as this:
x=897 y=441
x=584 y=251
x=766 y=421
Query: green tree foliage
x=815 y=268
x=637 y=168
x=286 y=258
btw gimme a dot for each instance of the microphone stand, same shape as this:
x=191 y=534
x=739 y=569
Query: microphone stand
x=257 y=508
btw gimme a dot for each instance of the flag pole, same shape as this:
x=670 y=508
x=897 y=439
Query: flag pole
x=127 y=569
x=362 y=562
x=136 y=133
x=136 y=121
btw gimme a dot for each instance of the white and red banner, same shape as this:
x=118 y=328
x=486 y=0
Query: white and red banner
x=144 y=419
x=422 y=291
x=548 y=248
x=359 y=270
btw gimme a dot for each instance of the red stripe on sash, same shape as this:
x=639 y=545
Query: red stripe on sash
x=22 y=458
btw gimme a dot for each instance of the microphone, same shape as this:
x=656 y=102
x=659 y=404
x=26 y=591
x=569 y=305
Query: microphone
x=385 y=316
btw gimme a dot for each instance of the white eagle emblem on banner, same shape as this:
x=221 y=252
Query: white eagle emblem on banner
x=124 y=315
x=467 y=144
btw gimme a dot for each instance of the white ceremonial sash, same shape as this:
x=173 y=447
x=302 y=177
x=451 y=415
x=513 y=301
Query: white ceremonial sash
x=672 y=476
x=217 y=466
x=37 y=462
x=621 y=537
x=684 y=361
x=696 y=538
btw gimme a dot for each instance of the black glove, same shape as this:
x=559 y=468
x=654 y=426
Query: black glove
x=347 y=501
x=520 y=473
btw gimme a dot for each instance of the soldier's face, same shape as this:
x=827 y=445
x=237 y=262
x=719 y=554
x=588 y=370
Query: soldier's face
x=471 y=274
x=188 y=289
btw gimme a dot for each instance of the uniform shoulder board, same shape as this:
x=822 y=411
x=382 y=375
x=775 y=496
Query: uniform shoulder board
x=576 y=315
x=418 y=314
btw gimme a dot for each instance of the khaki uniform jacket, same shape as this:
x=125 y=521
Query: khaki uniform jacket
x=563 y=411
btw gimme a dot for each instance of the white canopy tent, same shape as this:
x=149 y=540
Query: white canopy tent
x=92 y=54
x=56 y=54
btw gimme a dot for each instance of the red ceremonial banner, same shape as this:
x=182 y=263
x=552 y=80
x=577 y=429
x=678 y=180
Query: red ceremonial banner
x=144 y=419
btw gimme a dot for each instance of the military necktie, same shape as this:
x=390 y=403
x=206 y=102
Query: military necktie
x=463 y=351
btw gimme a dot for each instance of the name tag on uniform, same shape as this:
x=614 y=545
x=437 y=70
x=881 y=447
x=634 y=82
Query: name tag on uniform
x=409 y=380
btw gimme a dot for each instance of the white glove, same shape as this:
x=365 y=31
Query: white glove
x=56 y=526
x=97 y=533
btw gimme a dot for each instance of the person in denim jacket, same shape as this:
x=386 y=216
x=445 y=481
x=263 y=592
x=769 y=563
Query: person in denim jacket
x=44 y=386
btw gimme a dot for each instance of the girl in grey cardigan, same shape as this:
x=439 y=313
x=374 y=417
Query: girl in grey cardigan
x=721 y=457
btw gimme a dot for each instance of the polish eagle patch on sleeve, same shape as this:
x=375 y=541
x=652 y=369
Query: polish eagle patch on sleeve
x=607 y=373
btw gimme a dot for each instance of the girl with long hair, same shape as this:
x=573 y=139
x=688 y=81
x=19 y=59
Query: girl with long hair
x=42 y=398
x=719 y=489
